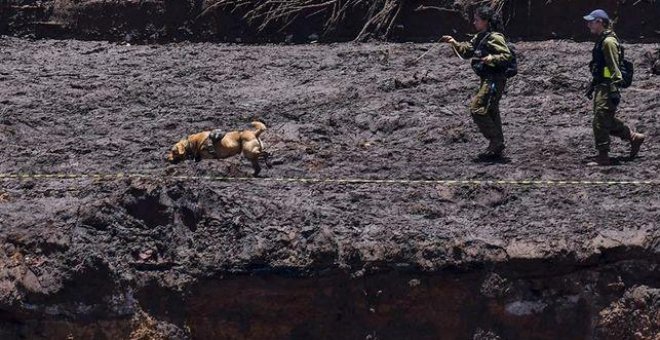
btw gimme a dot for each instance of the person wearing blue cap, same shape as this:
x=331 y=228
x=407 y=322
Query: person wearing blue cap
x=491 y=57
x=604 y=89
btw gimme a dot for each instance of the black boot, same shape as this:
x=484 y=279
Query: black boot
x=603 y=159
x=490 y=130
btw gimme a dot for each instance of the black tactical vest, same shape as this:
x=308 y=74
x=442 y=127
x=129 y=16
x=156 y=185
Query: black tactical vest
x=598 y=64
x=481 y=50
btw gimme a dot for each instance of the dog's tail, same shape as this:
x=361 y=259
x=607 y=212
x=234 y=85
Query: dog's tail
x=259 y=127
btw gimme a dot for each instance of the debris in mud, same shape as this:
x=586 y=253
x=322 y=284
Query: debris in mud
x=635 y=316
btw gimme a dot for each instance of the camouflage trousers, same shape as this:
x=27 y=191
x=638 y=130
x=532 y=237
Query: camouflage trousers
x=605 y=124
x=485 y=111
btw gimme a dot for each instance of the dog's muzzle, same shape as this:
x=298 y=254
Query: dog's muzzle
x=173 y=159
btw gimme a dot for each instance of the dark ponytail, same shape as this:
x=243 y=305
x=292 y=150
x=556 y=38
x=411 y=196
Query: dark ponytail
x=493 y=17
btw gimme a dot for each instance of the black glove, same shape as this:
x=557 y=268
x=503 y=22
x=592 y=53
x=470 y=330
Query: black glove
x=615 y=97
x=590 y=92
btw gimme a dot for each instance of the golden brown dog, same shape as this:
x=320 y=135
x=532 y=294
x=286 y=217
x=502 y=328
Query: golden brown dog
x=217 y=145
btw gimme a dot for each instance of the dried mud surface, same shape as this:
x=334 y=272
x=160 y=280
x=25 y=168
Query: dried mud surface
x=97 y=253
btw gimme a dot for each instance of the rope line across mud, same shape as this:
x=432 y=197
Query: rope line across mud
x=118 y=176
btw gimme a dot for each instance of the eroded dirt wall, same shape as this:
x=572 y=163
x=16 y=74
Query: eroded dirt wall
x=598 y=302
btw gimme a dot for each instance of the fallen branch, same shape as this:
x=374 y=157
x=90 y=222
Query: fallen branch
x=381 y=15
x=440 y=9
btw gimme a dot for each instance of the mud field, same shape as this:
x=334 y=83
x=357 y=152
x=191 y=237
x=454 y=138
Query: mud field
x=157 y=257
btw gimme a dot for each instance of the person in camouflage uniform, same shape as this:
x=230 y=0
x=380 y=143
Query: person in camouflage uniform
x=604 y=89
x=490 y=55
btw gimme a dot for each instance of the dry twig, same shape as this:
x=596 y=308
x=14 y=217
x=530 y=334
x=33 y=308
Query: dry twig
x=381 y=15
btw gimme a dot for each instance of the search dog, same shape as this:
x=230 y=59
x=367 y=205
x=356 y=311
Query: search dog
x=216 y=144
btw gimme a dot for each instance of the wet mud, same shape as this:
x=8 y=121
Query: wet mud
x=160 y=257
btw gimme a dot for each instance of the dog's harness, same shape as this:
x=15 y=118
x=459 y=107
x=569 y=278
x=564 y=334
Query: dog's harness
x=208 y=144
x=214 y=136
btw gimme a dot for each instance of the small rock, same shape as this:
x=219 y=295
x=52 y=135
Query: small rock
x=145 y=255
x=387 y=85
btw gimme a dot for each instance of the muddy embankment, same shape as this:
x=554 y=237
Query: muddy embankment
x=159 y=257
x=175 y=20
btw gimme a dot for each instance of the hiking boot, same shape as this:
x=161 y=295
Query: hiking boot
x=498 y=149
x=603 y=159
x=490 y=155
x=636 y=140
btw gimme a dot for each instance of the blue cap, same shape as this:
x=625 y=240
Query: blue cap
x=597 y=14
